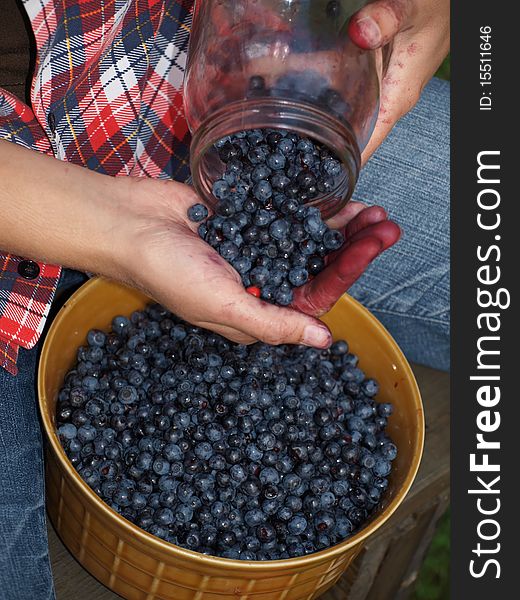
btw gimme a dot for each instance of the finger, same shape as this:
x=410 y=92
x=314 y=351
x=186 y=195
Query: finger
x=377 y=23
x=229 y=333
x=272 y=324
x=320 y=295
x=369 y=216
x=387 y=232
x=345 y=215
x=177 y=198
x=365 y=222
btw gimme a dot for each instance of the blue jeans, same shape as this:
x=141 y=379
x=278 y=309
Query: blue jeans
x=407 y=288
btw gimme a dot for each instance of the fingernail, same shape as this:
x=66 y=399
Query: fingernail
x=369 y=31
x=316 y=336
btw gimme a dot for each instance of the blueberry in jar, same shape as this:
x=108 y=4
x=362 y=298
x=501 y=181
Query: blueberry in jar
x=261 y=211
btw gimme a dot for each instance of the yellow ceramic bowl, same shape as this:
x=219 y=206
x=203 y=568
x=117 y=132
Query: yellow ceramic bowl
x=139 y=566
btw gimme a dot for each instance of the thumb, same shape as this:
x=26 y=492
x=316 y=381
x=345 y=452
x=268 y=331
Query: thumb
x=378 y=23
x=273 y=324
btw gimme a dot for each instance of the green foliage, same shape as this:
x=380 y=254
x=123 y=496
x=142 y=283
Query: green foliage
x=444 y=71
x=433 y=582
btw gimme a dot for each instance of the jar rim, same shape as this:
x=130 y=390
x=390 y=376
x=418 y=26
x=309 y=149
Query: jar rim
x=278 y=113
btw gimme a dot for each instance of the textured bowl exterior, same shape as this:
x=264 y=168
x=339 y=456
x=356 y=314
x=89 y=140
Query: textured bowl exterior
x=139 y=566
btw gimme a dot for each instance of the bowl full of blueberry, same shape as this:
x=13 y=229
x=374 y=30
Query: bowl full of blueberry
x=181 y=465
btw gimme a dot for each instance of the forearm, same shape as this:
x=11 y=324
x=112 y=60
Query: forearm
x=56 y=212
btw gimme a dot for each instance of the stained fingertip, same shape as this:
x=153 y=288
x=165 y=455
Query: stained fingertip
x=317 y=336
x=365 y=33
x=365 y=218
x=389 y=233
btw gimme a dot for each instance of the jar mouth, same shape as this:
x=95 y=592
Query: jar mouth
x=275 y=113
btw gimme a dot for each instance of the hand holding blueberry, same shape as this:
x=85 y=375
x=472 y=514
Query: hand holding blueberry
x=164 y=256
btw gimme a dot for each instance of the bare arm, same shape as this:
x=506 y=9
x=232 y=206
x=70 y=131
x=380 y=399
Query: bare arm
x=56 y=212
x=136 y=230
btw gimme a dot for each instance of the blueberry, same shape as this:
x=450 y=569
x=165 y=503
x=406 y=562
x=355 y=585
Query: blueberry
x=333 y=239
x=305 y=145
x=128 y=395
x=326 y=184
x=280 y=181
x=276 y=161
x=382 y=468
x=333 y=9
x=279 y=229
x=315 y=226
x=229 y=151
x=225 y=208
x=260 y=172
x=339 y=348
x=289 y=207
x=315 y=264
x=285 y=145
x=229 y=251
x=306 y=179
x=161 y=466
x=197 y=213
x=90 y=383
x=388 y=451
x=262 y=191
x=67 y=431
x=297 y=524
x=331 y=167
x=273 y=137
x=120 y=325
x=96 y=338
x=230 y=229
x=242 y=264
x=265 y=533
x=257 y=155
x=254 y=517
x=183 y=514
x=86 y=433
x=298 y=276
x=263 y=217
x=257 y=83
x=259 y=276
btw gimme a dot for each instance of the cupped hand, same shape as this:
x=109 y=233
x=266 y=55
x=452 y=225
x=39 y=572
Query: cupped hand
x=415 y=35
x=163 y=255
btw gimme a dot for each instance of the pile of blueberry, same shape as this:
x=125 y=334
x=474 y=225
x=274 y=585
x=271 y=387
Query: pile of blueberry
x=261 y=224
x=246 y=452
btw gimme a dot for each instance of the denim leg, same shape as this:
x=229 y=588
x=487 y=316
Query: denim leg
x=408 y=287
x=25 y=572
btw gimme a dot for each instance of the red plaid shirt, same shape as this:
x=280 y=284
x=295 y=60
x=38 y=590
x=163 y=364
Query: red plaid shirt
x=107 y=95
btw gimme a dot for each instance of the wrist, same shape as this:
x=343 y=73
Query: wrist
x=111 y=224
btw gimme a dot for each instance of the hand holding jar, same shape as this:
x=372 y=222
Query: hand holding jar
x=281 y=64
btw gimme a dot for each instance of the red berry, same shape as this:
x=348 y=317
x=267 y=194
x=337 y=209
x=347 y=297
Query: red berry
x=254 y=291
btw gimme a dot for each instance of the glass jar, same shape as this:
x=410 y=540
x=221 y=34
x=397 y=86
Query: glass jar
x=280 y=64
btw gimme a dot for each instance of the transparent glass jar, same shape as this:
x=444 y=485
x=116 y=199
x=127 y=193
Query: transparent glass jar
x=280 y=64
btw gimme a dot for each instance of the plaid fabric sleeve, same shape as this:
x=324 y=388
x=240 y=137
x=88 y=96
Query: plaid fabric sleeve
x=24 y=303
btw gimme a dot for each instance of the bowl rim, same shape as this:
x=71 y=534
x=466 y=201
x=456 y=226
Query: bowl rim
x=228 y=564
